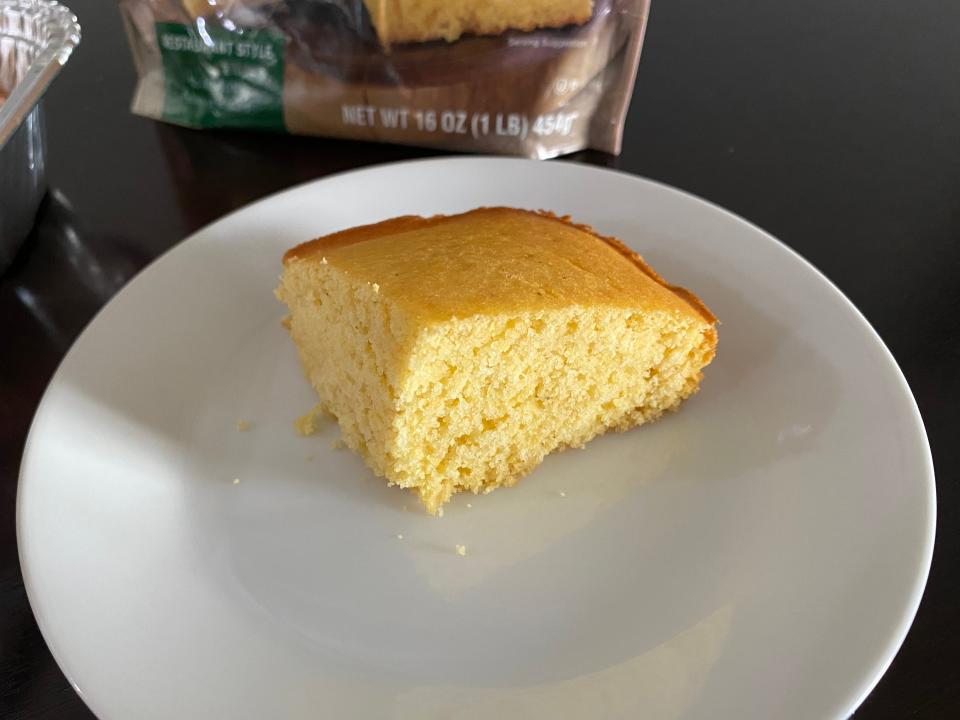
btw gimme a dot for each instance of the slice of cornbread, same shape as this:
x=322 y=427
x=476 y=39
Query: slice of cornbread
x=457 y=351
x=398 y=21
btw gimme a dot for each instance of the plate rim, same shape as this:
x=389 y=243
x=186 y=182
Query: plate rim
x=856 y=695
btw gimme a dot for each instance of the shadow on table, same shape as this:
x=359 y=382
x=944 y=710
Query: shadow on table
x=62 y=275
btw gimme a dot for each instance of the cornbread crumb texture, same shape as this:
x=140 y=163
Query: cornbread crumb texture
x=495 y=337
x=399 y=21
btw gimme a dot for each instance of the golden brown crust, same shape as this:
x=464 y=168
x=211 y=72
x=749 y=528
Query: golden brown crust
x=684 y=294
x=408 y=223
x=361 y=233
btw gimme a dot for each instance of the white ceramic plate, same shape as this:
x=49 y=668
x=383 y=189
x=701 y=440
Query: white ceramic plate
x=759 y=554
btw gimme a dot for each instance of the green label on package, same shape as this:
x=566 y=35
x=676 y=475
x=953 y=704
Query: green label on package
x=222 y=78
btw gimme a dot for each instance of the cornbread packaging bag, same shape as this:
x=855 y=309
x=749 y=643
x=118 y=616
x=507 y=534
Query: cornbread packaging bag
x=537 y=78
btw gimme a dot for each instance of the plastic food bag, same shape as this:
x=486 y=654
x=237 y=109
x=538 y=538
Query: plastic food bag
x=537 y=78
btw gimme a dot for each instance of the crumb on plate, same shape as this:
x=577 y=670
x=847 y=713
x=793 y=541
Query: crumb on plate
x=308 y=424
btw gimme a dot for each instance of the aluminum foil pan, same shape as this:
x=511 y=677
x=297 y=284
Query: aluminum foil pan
x=36 y=38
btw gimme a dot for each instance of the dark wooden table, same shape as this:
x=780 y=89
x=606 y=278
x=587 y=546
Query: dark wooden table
x=834 y=124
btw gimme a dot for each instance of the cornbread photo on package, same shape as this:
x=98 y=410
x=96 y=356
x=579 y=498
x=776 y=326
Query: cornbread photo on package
x=399 y=21
x=457 y=351
x=404 y=21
